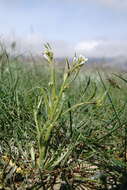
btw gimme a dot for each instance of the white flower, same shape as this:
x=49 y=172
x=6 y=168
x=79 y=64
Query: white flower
x=48 y=55
x=75 y=59
x=82 y=59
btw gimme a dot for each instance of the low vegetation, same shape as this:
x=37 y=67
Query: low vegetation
x=61 y=128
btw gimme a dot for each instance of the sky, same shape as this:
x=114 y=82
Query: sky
x=95 y=28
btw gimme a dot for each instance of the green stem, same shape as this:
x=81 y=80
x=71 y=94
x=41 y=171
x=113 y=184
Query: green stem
x=44 y=138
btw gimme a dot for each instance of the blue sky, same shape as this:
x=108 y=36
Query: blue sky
x=93 y=27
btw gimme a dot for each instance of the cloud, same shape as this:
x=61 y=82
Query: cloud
x=102 y=48
x=86 y=45
x=114 y=3
x=111 y=3
x=31 y=43
x=34 y=43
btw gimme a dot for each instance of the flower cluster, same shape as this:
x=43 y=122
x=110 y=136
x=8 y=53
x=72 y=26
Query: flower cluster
x=80 y=59
x=48 y=54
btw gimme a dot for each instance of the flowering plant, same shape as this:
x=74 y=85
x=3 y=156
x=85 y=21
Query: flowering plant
x=54 y=100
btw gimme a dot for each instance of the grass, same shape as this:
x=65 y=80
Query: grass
x=61 y=128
